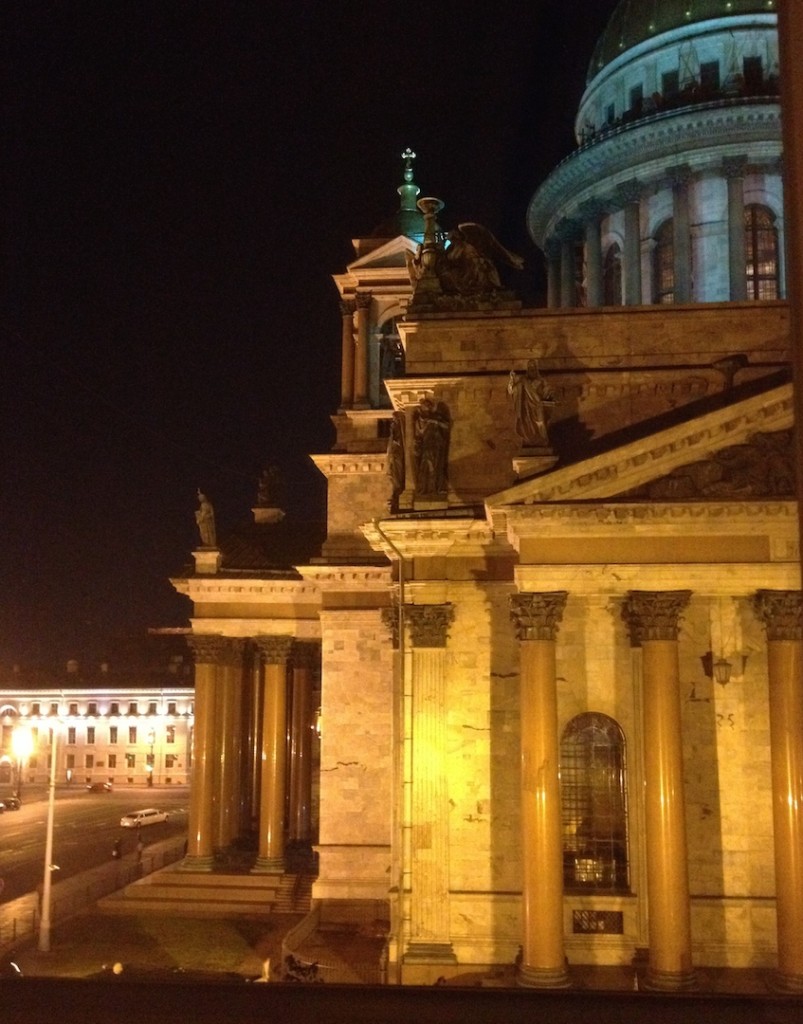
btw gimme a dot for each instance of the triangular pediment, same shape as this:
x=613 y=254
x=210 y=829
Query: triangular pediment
x=389 y=254
x=632 y=467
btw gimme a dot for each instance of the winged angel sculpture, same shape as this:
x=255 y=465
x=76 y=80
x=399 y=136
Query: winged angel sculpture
x=466 y=264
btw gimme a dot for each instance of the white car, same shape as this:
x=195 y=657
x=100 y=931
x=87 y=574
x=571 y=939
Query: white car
x=136 y=819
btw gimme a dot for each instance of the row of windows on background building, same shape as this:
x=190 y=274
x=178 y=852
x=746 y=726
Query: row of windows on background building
x=91 y=711
x=761 y=262
x=129 y=761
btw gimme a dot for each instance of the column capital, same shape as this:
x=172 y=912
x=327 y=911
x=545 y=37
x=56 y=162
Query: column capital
x=207 y=648
x=537 y=616
x=275 y=650
x=781 y=612
x=734 y=166
x=679 y=176
x=629 y=192
x=654 y=614
x=429 y=623
x=233 y=649
x=347 y=307
x=304 y=655
x=363 y=299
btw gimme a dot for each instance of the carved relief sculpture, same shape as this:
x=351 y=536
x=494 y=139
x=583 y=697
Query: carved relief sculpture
x=394 y=460
x=432 y=425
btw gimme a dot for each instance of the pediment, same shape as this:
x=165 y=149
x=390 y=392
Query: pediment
x=646 y=468
x=389 y=254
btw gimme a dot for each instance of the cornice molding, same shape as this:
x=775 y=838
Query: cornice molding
x=336 y=464
x=215 y=588
x=735 y=579
x=420 y=538
x=347 y=577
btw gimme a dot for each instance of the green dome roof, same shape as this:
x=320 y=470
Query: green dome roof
x=635 y=21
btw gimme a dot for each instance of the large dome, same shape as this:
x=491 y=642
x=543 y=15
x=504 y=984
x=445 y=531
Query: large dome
x=635 y=21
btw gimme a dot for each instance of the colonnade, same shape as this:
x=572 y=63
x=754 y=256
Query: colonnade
x=252 y=747
x=585 y=227
x=652 y=619
x=354 y=351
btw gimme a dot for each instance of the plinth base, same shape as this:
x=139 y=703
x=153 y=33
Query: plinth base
x=532 y=462
x=268 y=866
x=792 y=984
x=430 y=953
x=670 y=981
x=196 y=864
x=543 y=977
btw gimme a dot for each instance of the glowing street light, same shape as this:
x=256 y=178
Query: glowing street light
x=22 y=745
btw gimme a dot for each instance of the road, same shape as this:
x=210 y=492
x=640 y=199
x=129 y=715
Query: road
x=85 y=828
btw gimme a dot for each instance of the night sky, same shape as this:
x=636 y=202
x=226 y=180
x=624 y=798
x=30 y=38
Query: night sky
x=182 y=179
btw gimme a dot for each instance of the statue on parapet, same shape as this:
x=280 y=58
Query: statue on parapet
x=533 y=400
x=465 y=264
x=205 y=518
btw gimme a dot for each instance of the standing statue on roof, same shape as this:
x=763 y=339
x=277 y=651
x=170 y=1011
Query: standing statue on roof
x=532 y=399
x=205 y=518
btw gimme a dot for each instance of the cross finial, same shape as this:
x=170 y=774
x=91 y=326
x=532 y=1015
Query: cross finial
x=408 y=156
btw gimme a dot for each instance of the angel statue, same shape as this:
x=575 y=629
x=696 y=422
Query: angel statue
x=467 y=265
x=533 y=401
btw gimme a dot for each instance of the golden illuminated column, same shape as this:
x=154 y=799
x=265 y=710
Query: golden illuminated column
x=536 y=618
x=363 y=300
x=208 y=652
x=780 y=611
x=228 y=741
x=347 y=307
x=428 y=937
x=653 y=621
x=275 y=652
x=301 y=743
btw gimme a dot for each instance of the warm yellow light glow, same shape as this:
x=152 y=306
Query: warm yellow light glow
x=22 y=743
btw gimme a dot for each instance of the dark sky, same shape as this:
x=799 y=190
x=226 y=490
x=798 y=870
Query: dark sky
x=181 y=181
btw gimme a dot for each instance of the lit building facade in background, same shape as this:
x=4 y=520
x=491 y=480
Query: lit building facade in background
x=131 y=736
x=554 y=630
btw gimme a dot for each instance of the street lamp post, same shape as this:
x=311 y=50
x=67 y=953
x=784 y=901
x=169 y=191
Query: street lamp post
x=151 y=737
x=44 y=921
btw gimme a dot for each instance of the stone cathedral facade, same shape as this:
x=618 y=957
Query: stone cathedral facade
x=554 y=632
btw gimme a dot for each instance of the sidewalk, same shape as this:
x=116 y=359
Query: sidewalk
x=87 y=943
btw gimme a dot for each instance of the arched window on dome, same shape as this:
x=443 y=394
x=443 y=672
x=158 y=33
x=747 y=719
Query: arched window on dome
x=663 y=263
x=761 y=252
x=612 y=276
x=594 y=804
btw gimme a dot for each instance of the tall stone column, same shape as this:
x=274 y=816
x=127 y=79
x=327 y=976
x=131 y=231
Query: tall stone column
x=228 y=741
x=734 y=168
x=568 y=283
x=536 y=618
x=301 y=744
x=594 y=295
x=347 y=307
x=653 y=620
x=208 y=652
x=275 y=652
x=429 y=941
x=552 y=251
x=631 y=257
x=681 y=233
x=363 y=300
x=781 y=612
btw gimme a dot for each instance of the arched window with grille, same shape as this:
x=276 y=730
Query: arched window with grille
x=663 y=263
x=594 y=805
x=761 y=252
x=612 y=276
